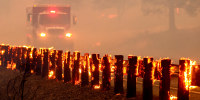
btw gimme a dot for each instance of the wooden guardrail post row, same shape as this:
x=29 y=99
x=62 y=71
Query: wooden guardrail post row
x=131 y=78
x=118 y=84
x=164 y=92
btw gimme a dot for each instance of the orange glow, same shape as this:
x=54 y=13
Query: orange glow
x=112 y=69
x=173 y=97
x=97 y=87
x=68 y=35
x=53 y=11
x=80 y=70
x=32 y=71
x=2 y=52
x=51 y=75
x=42 y=34
x=188 y=74
x=124 y=70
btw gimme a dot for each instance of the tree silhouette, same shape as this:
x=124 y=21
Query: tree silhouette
x=158 y=6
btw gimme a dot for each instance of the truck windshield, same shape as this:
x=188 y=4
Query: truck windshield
x=54 y=19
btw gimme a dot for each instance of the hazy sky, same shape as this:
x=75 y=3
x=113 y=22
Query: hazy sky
x=115 y=28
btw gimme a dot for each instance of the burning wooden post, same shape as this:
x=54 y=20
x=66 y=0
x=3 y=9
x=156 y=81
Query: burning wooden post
x=84 y=71
x=106 y=77
x=131 y=78
x=18 y=59
x=53 y=60
x=183 y=86
x=5 y=55
x=164 y=92
x=95 y=70
x=141 y=69
x=34 y=54
x=148 y=79
x=118 y=84
x=75 y=70
x=45 y=68
x=28 y=61
x=23 y=59
x=67 y=72
x=59 y=65
x=39 y=64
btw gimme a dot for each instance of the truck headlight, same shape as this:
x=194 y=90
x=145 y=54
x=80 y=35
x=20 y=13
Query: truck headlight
x=68 y=35
x=42 y=34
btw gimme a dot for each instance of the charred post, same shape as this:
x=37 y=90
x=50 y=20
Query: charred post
x=24 y=54
x=45 y=68
x=39 y=64
x=131 y=78
x=75 y=70
x=67 y=75
x=59 y=65
x=34 y=53
x=147 y=80
x=118 y=84
x=95 y=70
x=183 y=90
x=53 y=60
x=106 y=77
x=84 y=71
x=28 y=61
x=18 y=59
x=164 y=92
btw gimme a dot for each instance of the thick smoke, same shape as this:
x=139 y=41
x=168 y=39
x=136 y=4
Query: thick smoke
x=139 y=27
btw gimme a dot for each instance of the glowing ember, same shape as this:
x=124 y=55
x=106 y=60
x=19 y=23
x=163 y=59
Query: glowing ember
x=124 y=70
x=173 y=97
x=97 y=87
x=51 y=75
x=32 y=71
x=80 y=70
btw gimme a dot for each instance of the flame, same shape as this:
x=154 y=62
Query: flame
x=173 y=97
x=112 y=69
x=97 y=87
x=2 y=52
x=124 y=70
x=51 y=75
x=188 y=74
x=80 y=70
x=32 y=71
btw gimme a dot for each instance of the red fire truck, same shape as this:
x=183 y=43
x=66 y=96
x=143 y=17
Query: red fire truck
x=49 y=26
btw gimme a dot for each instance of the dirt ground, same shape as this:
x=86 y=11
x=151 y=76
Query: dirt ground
x=37 y=88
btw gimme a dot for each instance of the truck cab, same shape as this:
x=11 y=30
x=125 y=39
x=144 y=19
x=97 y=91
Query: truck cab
x=49 y=26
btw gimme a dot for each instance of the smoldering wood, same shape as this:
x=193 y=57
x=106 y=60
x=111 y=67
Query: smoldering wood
x=118 y=80
x=183 y=93
x=147 y=80
x=84 y=71
x=67 y=71
x=106 y=76
x=164 y=89
x=131 y=78
x=95 y=71
x=59 y=65
x=45 y=67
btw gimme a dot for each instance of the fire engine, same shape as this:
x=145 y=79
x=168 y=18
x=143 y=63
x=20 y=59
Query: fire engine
x=49 y=26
